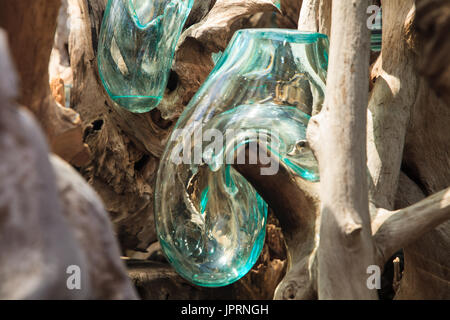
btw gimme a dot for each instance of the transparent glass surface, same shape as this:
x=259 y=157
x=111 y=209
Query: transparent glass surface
x=136 y=47
x=210 y=221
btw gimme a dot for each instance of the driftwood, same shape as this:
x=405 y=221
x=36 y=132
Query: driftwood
x=51 y=219
x=192 y=64
x=315 y=16
x=405 y=228
x=31 y=262
x=396 y=193
x=345 y=249
x=93 y=231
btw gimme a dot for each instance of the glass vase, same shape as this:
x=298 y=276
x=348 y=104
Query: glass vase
x=210 y=221
x=136 y=47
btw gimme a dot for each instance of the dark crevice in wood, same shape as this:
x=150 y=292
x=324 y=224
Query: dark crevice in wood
x=412 y=173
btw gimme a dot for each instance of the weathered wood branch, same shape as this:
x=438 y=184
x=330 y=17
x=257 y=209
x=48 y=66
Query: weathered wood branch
x=88 y=220
x=25 y=170
x=308 y=14
x=315 y=16
x=401 y=97
x=391 y=100
x=338 y=136
x=296 y=204
x=303 y=273
x=156 y=280
x=393 y=230
x=426 y=260
x=426 y=152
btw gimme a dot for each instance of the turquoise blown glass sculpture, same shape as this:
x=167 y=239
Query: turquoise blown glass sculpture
x=136 y=47
x=210 y=221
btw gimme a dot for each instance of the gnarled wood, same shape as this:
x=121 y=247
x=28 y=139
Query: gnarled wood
x=33 y=261
x=409 y=229
x=127 y=147
x=391 y=100
x=315 y=16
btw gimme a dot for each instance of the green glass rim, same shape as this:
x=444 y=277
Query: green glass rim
x=290 y=35
x=143 y=26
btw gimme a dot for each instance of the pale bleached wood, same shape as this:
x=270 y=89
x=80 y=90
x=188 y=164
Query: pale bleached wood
x=403 y=109
x=324 y=17
x=315 y=16
x=300 y=279
x=88 y=220
x=33 y=261
x=308 y=13
x=392 y=97
x=337 y=135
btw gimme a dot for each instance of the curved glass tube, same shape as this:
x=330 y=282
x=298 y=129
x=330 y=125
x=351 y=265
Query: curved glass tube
x=210 y=221
x=136 y=47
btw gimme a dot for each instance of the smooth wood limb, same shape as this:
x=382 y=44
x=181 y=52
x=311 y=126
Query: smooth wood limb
x=295 y=203
x=338 y=140
x=397 y=229
x=308 y=13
